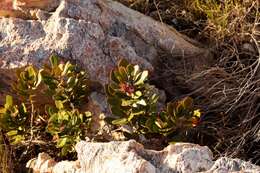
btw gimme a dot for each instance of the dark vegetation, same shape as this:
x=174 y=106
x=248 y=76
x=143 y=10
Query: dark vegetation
x=46 y=112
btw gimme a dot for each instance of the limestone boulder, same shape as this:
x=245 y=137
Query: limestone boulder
x=45 y=164
x=132 y=157
x=225 y=164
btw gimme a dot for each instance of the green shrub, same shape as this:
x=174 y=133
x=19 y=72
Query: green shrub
x=130 y=97
x=178 y=116
x=134 y=102
x=28 y=79
x=228 y=18
x=67 y=86
x=68 y=128
x=14 y=120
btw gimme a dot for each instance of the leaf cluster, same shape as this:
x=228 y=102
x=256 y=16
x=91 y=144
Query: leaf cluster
x=131 y=98
x=178 y=116
x=134 y=102
x=67 y=128
x=67 y=86
x=14 y=120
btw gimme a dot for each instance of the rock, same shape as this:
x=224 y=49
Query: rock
x=45 y=164
x=224 y=164
x=47 y=5
x=132 y=157
x=184 y=157
x=94 y=33
x=112 y=157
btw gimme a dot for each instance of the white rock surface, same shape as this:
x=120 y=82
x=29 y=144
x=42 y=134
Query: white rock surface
x=225 y=164
x=45 y=164
x=131 y=157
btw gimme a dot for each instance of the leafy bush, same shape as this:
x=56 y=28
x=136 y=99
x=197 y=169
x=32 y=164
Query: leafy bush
x=28 y=80
x=67 y=86
x=178 y=117
x=134 y=102
x=14 y=120
x=67 y=128
x=130 y=97
x=66 y=83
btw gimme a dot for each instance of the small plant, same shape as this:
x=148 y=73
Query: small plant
x=178 y=116
x=14 y=120
x=130 y=97
x=67 y=84
x=63 y=84
x=68 y=128
x=134 y=102
x=28 y=79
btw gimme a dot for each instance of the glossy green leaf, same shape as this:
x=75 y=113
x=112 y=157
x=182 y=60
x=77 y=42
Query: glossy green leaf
x=66 y=68
x=54 y=60
x=109 y=90
x=62 y=142
x=88 y=114
x=141 y=102
x=138 y=94
x=8 y=101
x=59 y=104
x=31 y=72
x=130 y=69
x=136 y=70
x=114 y=101
x=121 y=121
x=123 y=73
x=12 y=133
x=117 y=111
x=118 y=77
x=126 y=102
x=39 y=79
x=142 y=78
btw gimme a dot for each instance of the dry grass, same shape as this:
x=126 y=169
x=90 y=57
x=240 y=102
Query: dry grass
x=5 y=157
x=231 y=29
